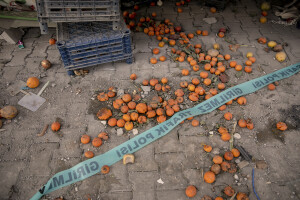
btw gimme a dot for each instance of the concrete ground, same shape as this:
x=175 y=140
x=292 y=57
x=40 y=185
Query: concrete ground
x=28 y=161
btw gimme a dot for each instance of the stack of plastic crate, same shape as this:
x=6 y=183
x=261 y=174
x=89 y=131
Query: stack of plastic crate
x=89 y=32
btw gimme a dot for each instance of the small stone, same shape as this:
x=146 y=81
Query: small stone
x=76 y=189
x=146 y=88
x=103 y=122
x=211 y=132
x=243 y=164
x=216 y=151
x=237 y=161
x=53 y=85
x=160 y=181
x=119 y=131
x=135 y=131
x=43 y=74
x=261 y=164
x=237 y=136
x=239 y=184
x=120 y=92
x=236 y=177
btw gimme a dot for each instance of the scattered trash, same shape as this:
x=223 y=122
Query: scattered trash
x=31 y=101
x=243 y=164
x=135 y=131
x=146 y=88
x=160 y=181
x=128 y=158
x=20 y=45
x=43 y=131
x=119 y=131
x=237 y=136
x=244 y=153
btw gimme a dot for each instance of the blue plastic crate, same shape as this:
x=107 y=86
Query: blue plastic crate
x=76 y=11
x=86 y=44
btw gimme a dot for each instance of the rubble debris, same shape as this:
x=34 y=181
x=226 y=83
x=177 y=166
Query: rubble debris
x=128 y=158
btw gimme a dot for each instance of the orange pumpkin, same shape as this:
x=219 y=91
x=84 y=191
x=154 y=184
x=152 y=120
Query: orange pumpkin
x=105 y=169
x=117 y=103
x=229 y=191
x=151 y=114
x=126 y=117
x=242 y=123
x=164 y=80
x=209 y=177
x=145 y=82
x=215 y=168
x=33 y=82
x=223 y=107
x=242 y=196
x=141 y=108
x=250 y=124
x=169 y=112
x=194 y=96
x=85 y=139
x=195 y=123
x=222 y=130
x=97 y=142
x=121 y=123
x=103 y=136
x=228 y=116
x=185 y=72
x=55 y=126
x=134 y=116
x=89 y=154
x=104 y=113
x=128 y=126
x=225 y=137
x=179 y=93
x=228 y=155
x=176 y=108
x=207 y=148
x=242 y=100
x=155 y=51
x=142 y=119
x=133 y=76
x=217 y=159
x=195 y=81
x=200 y=90
x=281 y=126
x=184 y=84
x=112 y=122
x=126 y=98
x=153 y=82
x=111 y=94
x=225 y=166
x=235 y=152
x=161 y=119
x=102 y=96
x=190 y=191
x=271 y=86
x=52 y=41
